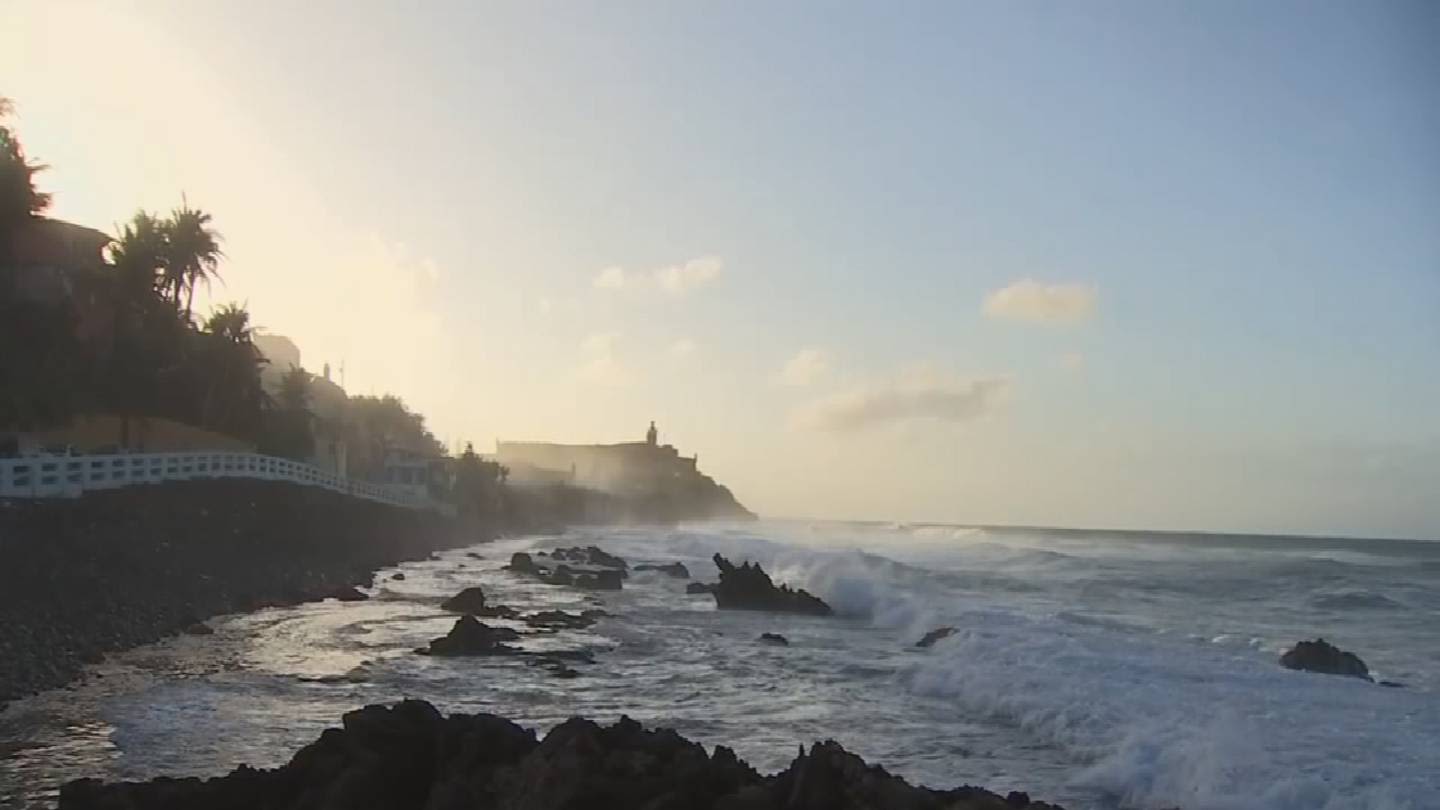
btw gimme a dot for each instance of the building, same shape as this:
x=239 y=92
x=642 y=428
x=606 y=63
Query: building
x=622 y=468
x=53 y=262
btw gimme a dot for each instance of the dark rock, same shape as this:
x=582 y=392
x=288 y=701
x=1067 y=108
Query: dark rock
x=522 y=563
x=675 y=569
x=934 y=636
x=748 y=587
x=474 y=555
x=560 y=620
x=589 y=555
x=470 y=600
x=409 y=756
x=588 y=568
x=347 y=594
x=600 y=580
x=398 y=576
x=470 y=637
x=1324 y=657
x=199 y=629
x=774 y=638
x=700 y=587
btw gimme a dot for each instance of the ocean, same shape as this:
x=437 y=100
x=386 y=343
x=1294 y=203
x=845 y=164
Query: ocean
x=1099 y=670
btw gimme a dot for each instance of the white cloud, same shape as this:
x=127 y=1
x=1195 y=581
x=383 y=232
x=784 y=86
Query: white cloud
x=681 y=278
x=682 y=348
x=934 y=397
x=677 y=279
x=599 y=361
x=611 y=278
x=1036 y=302
x=807 y=366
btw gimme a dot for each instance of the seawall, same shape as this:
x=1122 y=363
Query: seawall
x=112 y=570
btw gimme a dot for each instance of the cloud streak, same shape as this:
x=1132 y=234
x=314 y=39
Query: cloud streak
x=676 y=279
x=807 y=366
x=938 y=398
x=1036 y=302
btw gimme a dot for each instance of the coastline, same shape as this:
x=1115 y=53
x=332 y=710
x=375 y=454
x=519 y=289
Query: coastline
x=364 y=656
x=114 y=570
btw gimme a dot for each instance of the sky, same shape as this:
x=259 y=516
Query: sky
x=1106 y=264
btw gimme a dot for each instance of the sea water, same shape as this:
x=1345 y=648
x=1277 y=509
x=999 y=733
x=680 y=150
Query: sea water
x=1098 y=670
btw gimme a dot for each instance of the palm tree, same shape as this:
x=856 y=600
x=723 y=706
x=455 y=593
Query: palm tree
x=192 y=253
x=18 y=197
x=234 y=397
x=139 y=256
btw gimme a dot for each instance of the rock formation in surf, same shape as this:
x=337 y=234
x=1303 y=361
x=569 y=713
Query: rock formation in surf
x=748 y=587
x=675 y=569
x=410 y=757
x=1323 y=657
x=470 y=637
x=934 y=636
x=588 y=567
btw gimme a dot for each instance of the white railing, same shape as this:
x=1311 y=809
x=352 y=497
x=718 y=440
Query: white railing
x=72 y=476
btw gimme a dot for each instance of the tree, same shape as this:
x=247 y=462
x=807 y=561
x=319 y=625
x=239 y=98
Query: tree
x=18 y=196
x=290 y=426
x=234 y=399
x=192 y=253
x=479 y=485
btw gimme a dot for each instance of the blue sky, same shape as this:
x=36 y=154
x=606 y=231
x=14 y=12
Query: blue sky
x=1234 y=207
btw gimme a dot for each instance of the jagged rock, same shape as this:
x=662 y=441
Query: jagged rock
x=588 y=555
x=347 y=593
x=600 y=580
x=1321 y=656
x=470 y=600
x=700 y=587
x=409 y=756
x=583 y=568
x=470 y=637
x=675 y=569
x=748 y=587
x=522 y=563
x=934 y=636
x=774 y=638
x=560 y=620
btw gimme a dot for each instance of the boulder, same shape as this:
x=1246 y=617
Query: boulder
x=1321 y=656
x=410 y=756
x=199 y=629
x=522 y=563
x=934 y=636
x=474 y=555
x=470 y=600
x=748 y=587
x=398 y=576
x=560 y=620
x=600 y=580
x=588 y=568
x=470 y=637
x=675 y=569
x=700 y=587
x=774 y=638
x=589 y=555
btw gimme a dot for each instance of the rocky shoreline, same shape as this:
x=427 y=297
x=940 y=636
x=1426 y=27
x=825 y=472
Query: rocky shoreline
x=113 y=570
x=411 y=757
